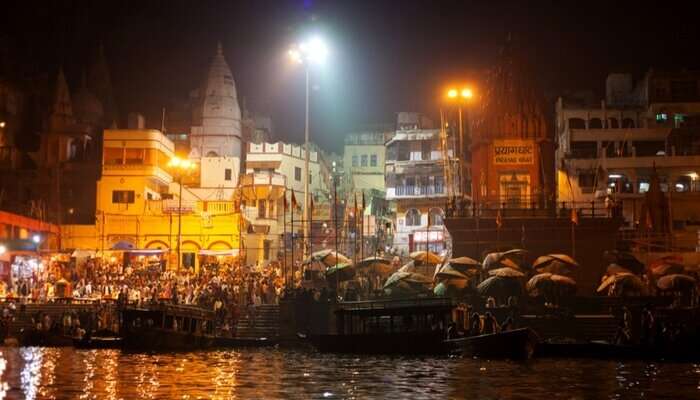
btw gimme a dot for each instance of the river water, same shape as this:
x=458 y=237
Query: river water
x=67 y=373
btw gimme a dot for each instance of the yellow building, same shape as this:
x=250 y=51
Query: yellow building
x=138 y=203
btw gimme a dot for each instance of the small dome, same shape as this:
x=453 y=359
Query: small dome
x=87 y=107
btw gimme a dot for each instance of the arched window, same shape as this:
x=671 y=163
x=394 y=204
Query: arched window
x=628 y=123
x=595 y=123
x=212 y=154
x=612 y=123
x=577 y=123
x=436 y=217
x=413 y=217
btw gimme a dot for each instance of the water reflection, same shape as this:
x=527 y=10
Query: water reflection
x=65 y=373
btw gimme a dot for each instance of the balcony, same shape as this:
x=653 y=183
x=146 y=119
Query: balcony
x=262 y=185
x=136 y=170
x=409 y=192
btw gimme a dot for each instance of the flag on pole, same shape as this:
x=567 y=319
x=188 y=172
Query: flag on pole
x=363 y=201
x=355 y=210
x=286 y=204
x=311 y=204
x=574 y=216
x=499 y=220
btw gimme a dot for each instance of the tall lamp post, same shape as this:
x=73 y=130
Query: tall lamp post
x=461 y=97
x=311 y=51
x=180 y=168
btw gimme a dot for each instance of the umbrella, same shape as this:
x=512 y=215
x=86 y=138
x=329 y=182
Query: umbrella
x=677 y=282
x=440 y=289
x=538 y=283
x=122 y=245
x=449 y=272
x=319 y=255
x=616 y=269
x=499 y=286
x=621 y=282
x=543 y=261
x=334 y=258
x=667 y=269
x=408 y=267
x=498 y=260
x=506 y=272
x=395 y=278
x=625 y=260
x=426 y=257
x=464 y=262
x=415 y=277
x=344 y=272
x=379 y=265
x=562 y=280
x=555 y=267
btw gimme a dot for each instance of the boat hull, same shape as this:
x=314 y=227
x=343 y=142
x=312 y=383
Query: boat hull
x=45 y=339
x=94 y=342
x=602 y=350
x=515 y=344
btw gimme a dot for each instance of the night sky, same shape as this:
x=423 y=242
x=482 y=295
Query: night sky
x=387 y=56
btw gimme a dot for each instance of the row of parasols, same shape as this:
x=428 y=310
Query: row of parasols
x=506 y=273
x=624 y=275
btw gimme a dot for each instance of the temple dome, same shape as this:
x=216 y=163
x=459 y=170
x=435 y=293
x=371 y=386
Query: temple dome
x=218 y=104
x=87 y=107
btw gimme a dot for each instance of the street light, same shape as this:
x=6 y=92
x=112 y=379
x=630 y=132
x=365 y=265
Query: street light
x=181 y=167
x=310 y=51
x=460 y=96
x=3 y=249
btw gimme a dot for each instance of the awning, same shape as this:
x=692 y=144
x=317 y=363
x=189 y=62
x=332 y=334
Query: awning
x=230 y=252
x=83 y=253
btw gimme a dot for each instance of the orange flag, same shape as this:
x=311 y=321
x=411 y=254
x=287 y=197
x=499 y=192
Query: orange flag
x=499 y=220
x=285 y=203
x=574 y=216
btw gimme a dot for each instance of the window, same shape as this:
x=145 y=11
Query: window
x=436 y=217
x=363 y=162
x=595 y=123
x=426 y=147
x=297 y=174
x=354 y=161
x=262 y=206
x=439 y=184
x=122 y=196
x=373 y=160
x=661 y=118
x=227 y=174
x=413 y=217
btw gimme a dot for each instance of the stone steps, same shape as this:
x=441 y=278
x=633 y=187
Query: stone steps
x=267 y=323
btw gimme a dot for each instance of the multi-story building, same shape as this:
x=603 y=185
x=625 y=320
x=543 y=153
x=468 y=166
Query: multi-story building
x=273 y=172
x=417 y=180
x=613 y=147
x=139 y=208
x=364 y=158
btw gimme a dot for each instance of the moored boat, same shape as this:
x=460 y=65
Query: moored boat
x=605 y=350
x=516 y=344
x=33 y=337
x=167 y=327
x=223 y=341
x=411 y=326
x=98 y=342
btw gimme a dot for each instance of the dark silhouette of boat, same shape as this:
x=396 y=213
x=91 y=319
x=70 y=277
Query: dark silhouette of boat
x=98 y=342
x=406 y=327
x=167 y=327
x=40 y=338
x=516 y=344
x=224 y=341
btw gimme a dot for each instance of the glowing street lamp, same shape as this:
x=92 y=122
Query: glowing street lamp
x=3 y=249
x=460 y=96
x=311 y=51
x=181 y=167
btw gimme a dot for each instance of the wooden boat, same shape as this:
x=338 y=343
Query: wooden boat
x=516 y=344
x=98 y=342
x=33 y=337
x=167 y=327
x=411 y=326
